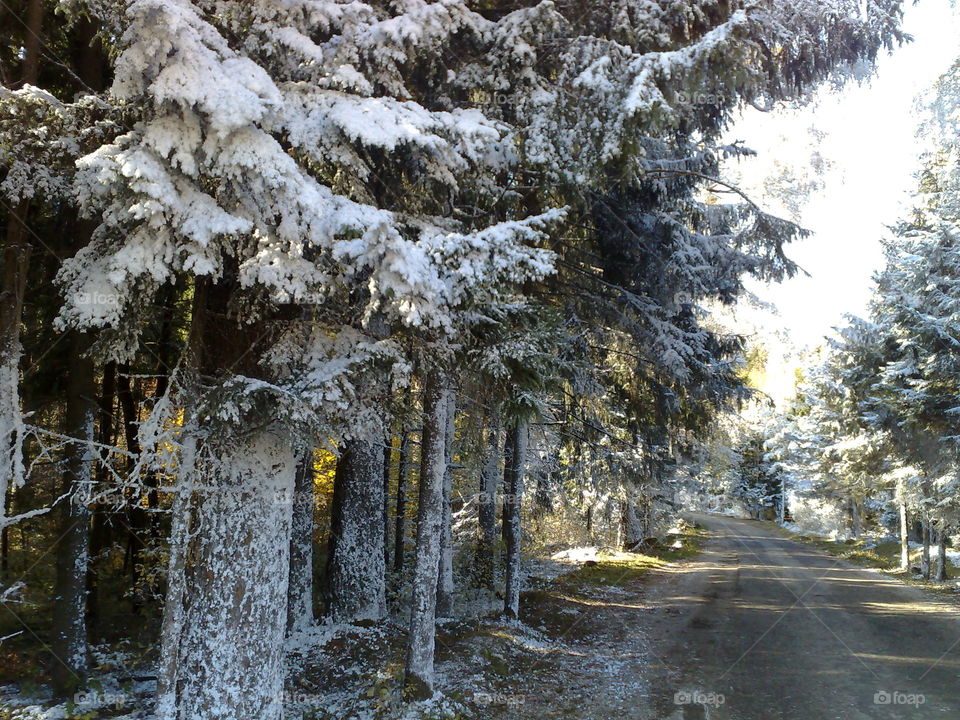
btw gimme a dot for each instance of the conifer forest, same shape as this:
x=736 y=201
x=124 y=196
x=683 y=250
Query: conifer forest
x=493 y=359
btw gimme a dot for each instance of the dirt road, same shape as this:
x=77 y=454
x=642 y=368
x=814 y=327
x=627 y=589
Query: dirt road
x=764 y=628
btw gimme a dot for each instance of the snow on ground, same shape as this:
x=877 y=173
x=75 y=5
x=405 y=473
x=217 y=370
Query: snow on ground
x=486 y=667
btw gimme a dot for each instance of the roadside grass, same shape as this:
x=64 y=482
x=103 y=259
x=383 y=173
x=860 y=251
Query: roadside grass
x=621 y=569
x=884 y=557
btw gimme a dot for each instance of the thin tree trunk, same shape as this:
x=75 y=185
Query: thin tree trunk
x=855 y=513
x=100 y=529
x=422 y=636
x=226 y=609
x=941 y=553
x=512 y=507
x=32 y=41
x=355 y=571
x=387 y=469
x=137 y=515
x=400 y=521
x=73 y=552
x=489 y=482
x=509 y=438
x=300 y=592
x=925 y=557
x=445 y=585
x=630 y=531
x=904 y=537
x=16 y=260
x=13 y=283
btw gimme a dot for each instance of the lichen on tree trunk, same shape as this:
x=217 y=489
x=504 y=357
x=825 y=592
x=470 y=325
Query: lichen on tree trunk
x=445 y=585
x=355 y=570
x=300 y=591
x=422 y=635
x=224 y=622
x=487 y=510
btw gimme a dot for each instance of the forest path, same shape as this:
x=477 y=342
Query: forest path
x=785 y=632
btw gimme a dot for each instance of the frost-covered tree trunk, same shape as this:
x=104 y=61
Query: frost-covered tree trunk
x=13 y=284
x=300 y=592
x=941 y=553
x=73 y=552
x=925 y=556
x=631 y=532
x=400 y=519
x=445 y=585
x=512 y=507
x=355 y=570
x=422 y=636
x=387 y=467
x=904 y=537
x=225 y=615
x=489 y=481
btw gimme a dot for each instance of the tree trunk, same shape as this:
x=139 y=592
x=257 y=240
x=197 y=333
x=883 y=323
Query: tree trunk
x=445 y=586
x=855 y=515
x=941 y=553
x=300 y=592
x=16 y=259
x=512 y=507
x=226 y=609
x=489 y=481
x=904 y=537
x=631 y=532
x=13 y=284
x=925 y=557
x=422 y=636
x=400 y=521
x=355 y=571
x=73 y=551
x=387 y=468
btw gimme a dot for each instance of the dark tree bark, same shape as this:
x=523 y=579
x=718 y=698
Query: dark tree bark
x=17 y=247
x=925 y=557
x=400 y=519
x=69 y=636
x=445 y=587
x=487 y=510
x=422 y=636
x=512 y=506
x=100 y=531
x=355 y=571
x=387 y=469
x=300 y=592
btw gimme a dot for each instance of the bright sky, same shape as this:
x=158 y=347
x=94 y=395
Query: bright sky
x=870 y=140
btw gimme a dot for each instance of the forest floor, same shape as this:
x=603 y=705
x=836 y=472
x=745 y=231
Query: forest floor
x=580 y=626
x=736 y=622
